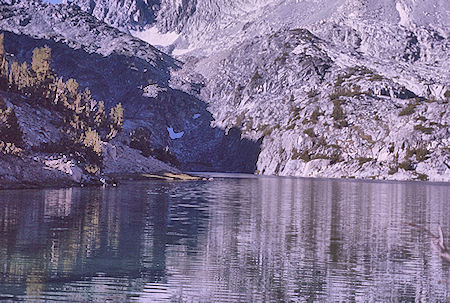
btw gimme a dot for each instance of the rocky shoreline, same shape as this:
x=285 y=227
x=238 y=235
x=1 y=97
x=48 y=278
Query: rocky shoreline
x=59 y=171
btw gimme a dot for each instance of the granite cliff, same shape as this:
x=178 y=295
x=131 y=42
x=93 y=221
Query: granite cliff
x=321 y=88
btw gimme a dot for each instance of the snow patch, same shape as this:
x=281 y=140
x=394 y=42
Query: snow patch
x=181 y=51
x=154 y=37
x=173 y=135
x=196 y=116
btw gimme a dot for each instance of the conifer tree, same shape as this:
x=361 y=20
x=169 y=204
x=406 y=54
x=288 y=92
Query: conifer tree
x=14 y=74
x=2 y=46
x=4 y=74
x=60 y=94
x=24 y=78
x=117 y=116
x=72 y=88
x=41 y=63
x=100 y=117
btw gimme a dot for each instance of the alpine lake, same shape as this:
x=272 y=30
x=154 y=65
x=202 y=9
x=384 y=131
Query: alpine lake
x=236 y=238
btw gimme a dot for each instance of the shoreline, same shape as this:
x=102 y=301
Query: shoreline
x=114 y=180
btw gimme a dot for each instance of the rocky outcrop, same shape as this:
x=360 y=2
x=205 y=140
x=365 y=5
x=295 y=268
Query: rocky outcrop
x=128 y=14
x=343 y=88
x=42 y=162
x=321 y=118
x=120 y=68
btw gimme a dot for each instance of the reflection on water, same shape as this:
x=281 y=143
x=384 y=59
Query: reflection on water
x=227 y=240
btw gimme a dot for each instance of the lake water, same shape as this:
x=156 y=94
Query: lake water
x=240 y=239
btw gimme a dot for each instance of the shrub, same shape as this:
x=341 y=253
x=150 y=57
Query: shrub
x=422 y=177
x=163 y=154
x=339 y=81
x=423 y=129
x=393 y=170
x=338 y=112
x=322 y=142
x=256 y=77
x=92 y=169
x=343 y=92
x=408 y=110
x=291 y=126
x=334 y=158
x=421 y=153
x=304 y=155
x=315 y=115
x=312 y=93
x=310 y=132
x=363 y=160
x=406 y=165
x=376 y=77
x=240 y=119
x=265 y=129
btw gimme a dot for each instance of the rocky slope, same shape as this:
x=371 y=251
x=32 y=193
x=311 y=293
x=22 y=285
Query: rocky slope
x=320 y=118
x=343 y=88
x=120 y=68
x=333 y=88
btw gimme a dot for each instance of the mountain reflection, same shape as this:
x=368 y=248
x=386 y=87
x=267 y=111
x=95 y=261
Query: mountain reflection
x=248 y=240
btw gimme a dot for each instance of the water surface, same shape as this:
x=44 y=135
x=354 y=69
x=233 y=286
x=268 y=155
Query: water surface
x=227 y=240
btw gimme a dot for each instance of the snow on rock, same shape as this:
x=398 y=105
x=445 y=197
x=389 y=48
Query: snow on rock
x=174 y=135
x=154 y=37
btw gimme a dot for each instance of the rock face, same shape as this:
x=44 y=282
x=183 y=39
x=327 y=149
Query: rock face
x=344 y=88
x=128 y=14
x=322 y=118
x=120 y=68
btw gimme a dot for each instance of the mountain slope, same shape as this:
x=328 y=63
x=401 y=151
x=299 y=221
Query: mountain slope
x=328 y=99
x=343 y=88
x=120 y=68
